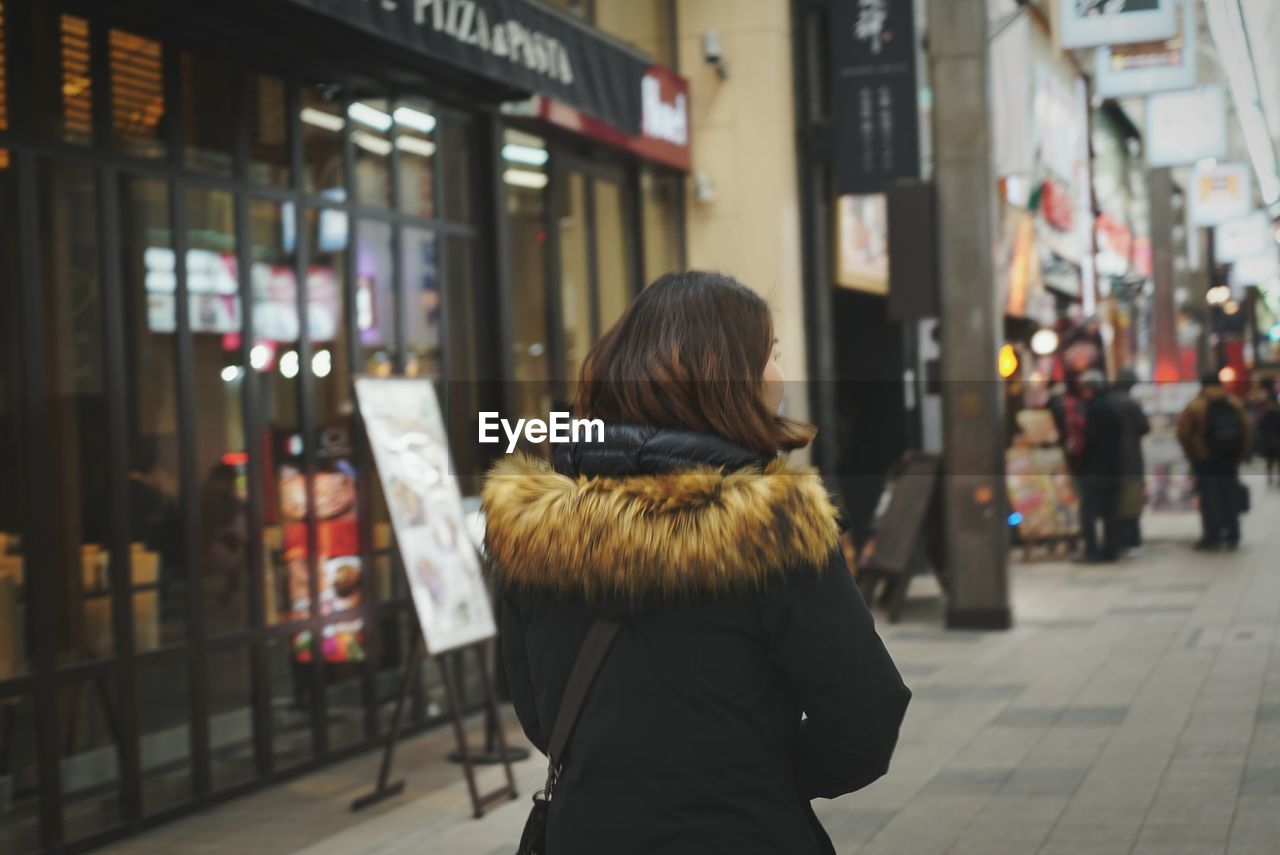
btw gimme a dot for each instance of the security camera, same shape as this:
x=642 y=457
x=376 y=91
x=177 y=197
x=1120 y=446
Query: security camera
x=713 y=52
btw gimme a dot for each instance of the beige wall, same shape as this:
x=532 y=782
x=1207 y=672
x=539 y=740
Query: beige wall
x=743 y=132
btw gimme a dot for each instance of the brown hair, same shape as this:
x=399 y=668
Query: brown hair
x=690 y=353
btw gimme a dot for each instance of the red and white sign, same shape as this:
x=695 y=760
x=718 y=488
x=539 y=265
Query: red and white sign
x=664 y=128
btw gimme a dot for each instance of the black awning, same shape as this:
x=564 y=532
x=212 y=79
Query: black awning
x=512 y=43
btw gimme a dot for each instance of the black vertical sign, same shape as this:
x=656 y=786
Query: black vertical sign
x=877 y=120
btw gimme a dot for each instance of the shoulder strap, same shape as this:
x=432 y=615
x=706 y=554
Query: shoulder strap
x=594 y=649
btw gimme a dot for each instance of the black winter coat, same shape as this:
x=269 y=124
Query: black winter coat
x=1100 y=467
x=747 y=678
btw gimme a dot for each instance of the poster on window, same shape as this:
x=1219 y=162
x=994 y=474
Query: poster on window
x=411 y=450
x=337 y=540
x=877 y=113
x=1089 y=23
x=1154 y=66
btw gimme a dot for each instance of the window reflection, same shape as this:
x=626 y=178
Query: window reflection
x=526 y=156
x=266 y=116
x=61 y=81
x=613 y=251
x=75 y=389
x=164 y=722
x=157 y=559
x=230 y=700
x=374 y=297
x=661 y=199
x=322 y=123
x=371 y=145
x=20 y=819
x=137 y=94
x=90 y=753
x=218 y=375
x=456 y=146
x=421 y=300
x=575 y=275
x=415 y=140
x=208 y=93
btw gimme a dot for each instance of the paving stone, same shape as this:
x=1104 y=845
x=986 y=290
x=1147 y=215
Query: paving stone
x=1261 y=781
x=1093 y=716
x=1044 y=781
x=967 y=781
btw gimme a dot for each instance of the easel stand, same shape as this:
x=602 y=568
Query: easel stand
x=385 y=789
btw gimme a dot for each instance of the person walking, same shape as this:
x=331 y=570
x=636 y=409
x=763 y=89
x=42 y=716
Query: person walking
x=746 y=677
x=1100 y=476
x=1269 y=429
x=1133 y=470
x=1214 y=432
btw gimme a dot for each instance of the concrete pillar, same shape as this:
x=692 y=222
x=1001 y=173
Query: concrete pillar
x=973 y=395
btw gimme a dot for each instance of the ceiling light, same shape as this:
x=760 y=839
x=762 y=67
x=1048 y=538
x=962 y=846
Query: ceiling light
x=415 y=145
x=1044 y=342
x=289 y=365
x=321 y=119
x=371 y=116
x=231 y=373
x=525 y=154
x=369 y=142
x=525 y=178
x=321 y=363
x=415 y=119
x=260 y=357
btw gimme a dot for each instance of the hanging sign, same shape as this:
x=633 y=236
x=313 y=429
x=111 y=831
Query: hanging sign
x=1219 y=195
x=1248 y=237
x=513 y=42
x=1089 y=23
x=877 y=117
x=1185 y=127
x=1155 y=66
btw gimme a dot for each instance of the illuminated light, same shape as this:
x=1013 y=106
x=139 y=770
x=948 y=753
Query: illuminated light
x=1274 y=334
x=1207 y=163
x=1227 y=375
x=525 y=154
x=1277 y=235
x=1231 y=307
x=321 y=363
x=231 y=373
x=414 y=145
x=525 y=178
x=1007 y=361
x=321 y=119
x=260 y=357
x=1044 y=342
x=1218 y=295
x=1015 y=518
x=289 y=365
x=371 y=116
x=415 y=119
x=235 y=458
x=369 y=142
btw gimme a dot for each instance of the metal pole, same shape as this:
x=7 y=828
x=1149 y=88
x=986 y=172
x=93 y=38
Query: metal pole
x=973 y=489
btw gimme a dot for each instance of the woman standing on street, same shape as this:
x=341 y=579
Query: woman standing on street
x=746 y=677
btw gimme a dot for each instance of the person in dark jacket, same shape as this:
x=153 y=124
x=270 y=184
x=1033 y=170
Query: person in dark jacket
x=1100 y=470
x=1133 y=469
x=747 y=678
x=1216 y=435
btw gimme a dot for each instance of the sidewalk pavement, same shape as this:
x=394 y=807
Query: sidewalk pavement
x=1133 y=710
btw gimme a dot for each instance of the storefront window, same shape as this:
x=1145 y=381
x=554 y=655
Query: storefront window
x=164 y=720
x=208 y=91
x=157 y=545
x=267 y=118
x=375 y=297
x=575 y=274
x=613 y=253
x=370 y=138
x=137 y=94
x=415 y=140
x=76 y=398
x=661 y=204
x=218 y=375
x=420 y=280
x=4 y=82
x=322 y=123
x=20 y=821
x=15 y=652
x=524 y=165
x=230 y=699
x=61 y=82
x=90 y=753
x=275 y=356
x=291 y=684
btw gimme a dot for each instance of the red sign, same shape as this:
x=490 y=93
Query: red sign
x=664 y=129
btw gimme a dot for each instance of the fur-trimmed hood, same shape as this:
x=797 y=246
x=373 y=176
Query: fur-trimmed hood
x=649 y=537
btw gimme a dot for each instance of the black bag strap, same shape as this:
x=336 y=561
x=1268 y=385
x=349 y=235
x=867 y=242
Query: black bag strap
x=595 y=647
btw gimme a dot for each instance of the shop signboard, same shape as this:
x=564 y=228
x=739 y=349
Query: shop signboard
x=1089 y=23
x=862 y=243
x=877 y=115
x=1186 y=127
x=1219 y=195
x=410 y=447
x=1255 y=269
x=513 y=42
x=1243 y=238
x=1155 y=66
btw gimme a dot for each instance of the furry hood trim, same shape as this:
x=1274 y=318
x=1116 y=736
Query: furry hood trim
x=651 y=537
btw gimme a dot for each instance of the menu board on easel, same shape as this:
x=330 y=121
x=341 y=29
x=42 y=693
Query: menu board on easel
x=410 y=447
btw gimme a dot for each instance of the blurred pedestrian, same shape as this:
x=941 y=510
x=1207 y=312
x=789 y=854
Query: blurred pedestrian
x=1100 y=473
x=1214 y=432
x=1133 y=470
x=1269 y=430
x=746 y=676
